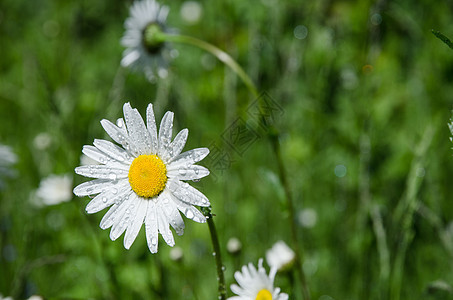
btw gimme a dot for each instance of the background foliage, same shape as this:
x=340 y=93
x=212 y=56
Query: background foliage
x=365 y=90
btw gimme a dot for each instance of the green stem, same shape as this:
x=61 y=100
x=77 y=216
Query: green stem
x=218 y=257
x=221 y=55
x=273 y=136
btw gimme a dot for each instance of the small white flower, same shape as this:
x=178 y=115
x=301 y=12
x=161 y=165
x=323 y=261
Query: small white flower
x=280 y=256
x=256 y=284
x=42 y=141
x=308 y=217
x=54 y=189
x=191 y=11
x=143 y=181
x=176 y=254
x=234 y=245
x=144 y=51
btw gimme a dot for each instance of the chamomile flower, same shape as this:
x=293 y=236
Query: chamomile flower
x=145 y=49
x=280 y=256
x=256 y=284
x=53 y=190
x=143 y=181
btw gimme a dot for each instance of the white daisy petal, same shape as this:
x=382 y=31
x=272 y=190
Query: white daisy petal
x=115 y=212
x=92 y=187
x=113 y=151
x=137 y=181
x=236 y=289
x=102 y=172
x=115 y=194
x=129 y=57
x=186 y=193
x=178 y=143
x=137 y=222
x=173 y=216
x=125 y=217
x=190 y=211
x=94 y=153
x=151 y=227
x=162 y=17
x=152 y=128
x=189 y=157
x=164 y=226
x=165 y=133
x=188 y=173
x=118 y=135
x=137 y=130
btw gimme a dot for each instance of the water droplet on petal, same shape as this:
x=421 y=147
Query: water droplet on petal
x=112 y=176
x=189 y=214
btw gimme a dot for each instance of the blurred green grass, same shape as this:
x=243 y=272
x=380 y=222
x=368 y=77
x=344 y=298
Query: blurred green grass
x=351 y=81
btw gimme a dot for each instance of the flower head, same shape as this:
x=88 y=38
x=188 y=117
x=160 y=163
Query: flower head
x=143 y=181
x=256 y=284
x=280 y=256
x=145 y=48
x=54 y=189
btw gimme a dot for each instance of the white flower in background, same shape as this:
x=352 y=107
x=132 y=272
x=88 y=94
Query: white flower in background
x=145 y=49
x=42 y=141
x=280 y=256
x=7 y=159
x=143 y=180
x=234 y=245
x=308 y=218
x=35 y=297
x=191 y=12
x=256 y=284
x=176 y=254
x=54 y=189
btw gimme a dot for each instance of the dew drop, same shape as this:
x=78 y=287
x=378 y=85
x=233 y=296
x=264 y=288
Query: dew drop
x=189 y=214
x=104 y=199
x=154 y=241
x=114 y=191
x=112 y=176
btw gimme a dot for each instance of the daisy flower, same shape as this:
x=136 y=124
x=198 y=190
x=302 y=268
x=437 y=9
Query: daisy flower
x=145 y=50
x=143 y=181
x=54 y=189
x=280 y=256
x=256 y=284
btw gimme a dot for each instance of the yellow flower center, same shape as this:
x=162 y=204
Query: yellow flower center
x=147 y=175
x=264 y=295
